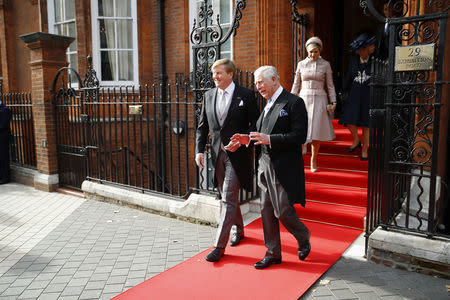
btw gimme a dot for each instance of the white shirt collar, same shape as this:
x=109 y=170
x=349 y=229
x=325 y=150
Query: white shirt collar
x=229 y=89
x=363 y=61
x=276 y=94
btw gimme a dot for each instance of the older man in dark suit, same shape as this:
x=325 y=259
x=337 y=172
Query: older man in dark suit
x=282 y=129
x=227 y=109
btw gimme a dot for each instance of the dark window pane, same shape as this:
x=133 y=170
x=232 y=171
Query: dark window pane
x=123 y=8
x=58 y=10
x=73 y=63
x=225 y=11
x=106 y=8
x=70 y=10
x=124 y=34
x=108 y=61
x=107 y=33
x=125 y=65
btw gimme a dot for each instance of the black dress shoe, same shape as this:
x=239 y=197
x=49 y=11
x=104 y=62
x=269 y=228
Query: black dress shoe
x=215 y=255
x=304 y=250
x=236 y=239
x=364 y=158
x=351 y=149
x=267 y=261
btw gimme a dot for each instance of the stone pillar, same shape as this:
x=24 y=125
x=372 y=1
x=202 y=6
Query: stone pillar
x=47 y=56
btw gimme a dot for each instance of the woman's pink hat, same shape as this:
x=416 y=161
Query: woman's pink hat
x=314 y=40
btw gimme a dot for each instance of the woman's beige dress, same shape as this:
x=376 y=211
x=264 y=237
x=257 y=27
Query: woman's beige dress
x=315 y=81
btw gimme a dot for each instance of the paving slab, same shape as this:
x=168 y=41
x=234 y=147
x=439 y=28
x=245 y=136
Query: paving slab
x=58 y=246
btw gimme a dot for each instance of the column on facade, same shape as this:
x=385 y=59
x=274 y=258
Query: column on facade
x=47 y=56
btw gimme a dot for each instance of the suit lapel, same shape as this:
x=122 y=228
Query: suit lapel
x=213 y=101
x=259 y=122
x=275 y=111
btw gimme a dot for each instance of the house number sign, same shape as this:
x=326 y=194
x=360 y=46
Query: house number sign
x=413 y=58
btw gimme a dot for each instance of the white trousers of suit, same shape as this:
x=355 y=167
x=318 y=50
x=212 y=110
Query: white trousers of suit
x=275 y=207
x=230 y=211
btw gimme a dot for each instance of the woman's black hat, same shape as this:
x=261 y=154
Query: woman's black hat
x=362 y=41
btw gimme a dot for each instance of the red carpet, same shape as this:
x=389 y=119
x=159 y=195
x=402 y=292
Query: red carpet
x=336 y=201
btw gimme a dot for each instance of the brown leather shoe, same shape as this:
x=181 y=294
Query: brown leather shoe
x=215 y=255
x=267 y=261
x=236 y=239
x=304 y=250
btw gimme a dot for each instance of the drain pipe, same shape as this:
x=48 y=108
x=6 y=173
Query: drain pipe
x=162 y=91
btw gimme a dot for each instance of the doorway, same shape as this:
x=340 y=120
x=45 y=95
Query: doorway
x=349 y=22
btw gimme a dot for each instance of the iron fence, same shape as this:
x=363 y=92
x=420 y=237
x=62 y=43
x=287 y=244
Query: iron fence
x=22 y=145
x=375 y=204
x=123 y=136
x=406 y=191
x=135 y=138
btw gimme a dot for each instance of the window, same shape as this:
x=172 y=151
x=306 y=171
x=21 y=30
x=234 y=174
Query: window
x=61 y=19
x=226 y=16
x=114 y=41
x=225 y=10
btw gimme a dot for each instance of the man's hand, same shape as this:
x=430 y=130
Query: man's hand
x=232 y=146
x=242 y=139
x=200 y=160
x=260 y=138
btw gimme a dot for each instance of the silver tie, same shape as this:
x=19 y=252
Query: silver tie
x=222 y=106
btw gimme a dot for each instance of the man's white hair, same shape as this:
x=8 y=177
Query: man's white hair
x=267 y=72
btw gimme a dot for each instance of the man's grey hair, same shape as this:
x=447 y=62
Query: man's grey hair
x=267 y=72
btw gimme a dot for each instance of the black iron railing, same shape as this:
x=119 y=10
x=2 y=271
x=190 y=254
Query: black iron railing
x=299 y=23
x=406 y=189
x=123 y=138
x=22 y=143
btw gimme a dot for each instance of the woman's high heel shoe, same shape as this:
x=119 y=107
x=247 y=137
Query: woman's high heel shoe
x=313 y=166
x=351 y=149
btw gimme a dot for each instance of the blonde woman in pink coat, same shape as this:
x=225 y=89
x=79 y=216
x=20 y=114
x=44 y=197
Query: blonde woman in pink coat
x=313 y=82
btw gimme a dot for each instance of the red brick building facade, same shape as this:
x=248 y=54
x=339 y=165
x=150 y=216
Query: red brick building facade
x=123 y=39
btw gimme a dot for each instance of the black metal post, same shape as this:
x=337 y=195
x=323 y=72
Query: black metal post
x=162 y=84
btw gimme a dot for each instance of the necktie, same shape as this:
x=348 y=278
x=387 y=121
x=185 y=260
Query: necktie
x=268 y=106
x=222 y=104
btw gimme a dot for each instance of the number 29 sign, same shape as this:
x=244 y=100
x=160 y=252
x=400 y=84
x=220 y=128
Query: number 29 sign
x=413 y=58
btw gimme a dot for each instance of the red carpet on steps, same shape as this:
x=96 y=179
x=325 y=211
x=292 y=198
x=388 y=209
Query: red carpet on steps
x=334 y=213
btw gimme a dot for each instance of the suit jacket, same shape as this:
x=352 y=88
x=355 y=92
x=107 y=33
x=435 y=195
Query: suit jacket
x=287 y=124
x=241 y=118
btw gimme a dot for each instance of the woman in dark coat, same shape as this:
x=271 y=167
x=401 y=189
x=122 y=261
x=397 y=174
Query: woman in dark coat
x=5 y=118
x=356 y=86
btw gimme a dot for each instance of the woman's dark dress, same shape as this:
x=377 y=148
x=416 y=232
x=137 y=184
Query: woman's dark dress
x=356 y=86
x=5 y=117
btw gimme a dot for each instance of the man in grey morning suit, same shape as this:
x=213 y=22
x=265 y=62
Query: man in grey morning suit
x=282 y=129
x=227 y=109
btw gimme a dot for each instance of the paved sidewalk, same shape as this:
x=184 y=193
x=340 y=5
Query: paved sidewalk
x=56 y=246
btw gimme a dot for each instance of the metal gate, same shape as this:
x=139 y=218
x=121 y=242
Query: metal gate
x=207 y=39
x=405 y=191
x=70 y=133
x=299 y=22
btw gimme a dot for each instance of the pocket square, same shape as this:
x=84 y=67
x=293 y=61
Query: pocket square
x=283 y=113
x=241 y=103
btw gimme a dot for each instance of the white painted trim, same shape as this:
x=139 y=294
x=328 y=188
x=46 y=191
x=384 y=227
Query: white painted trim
x=96 y=46
x=46 y=179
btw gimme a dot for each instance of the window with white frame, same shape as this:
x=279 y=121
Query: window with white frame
x=114 y=41
x=61 y=19
x=225 y=10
